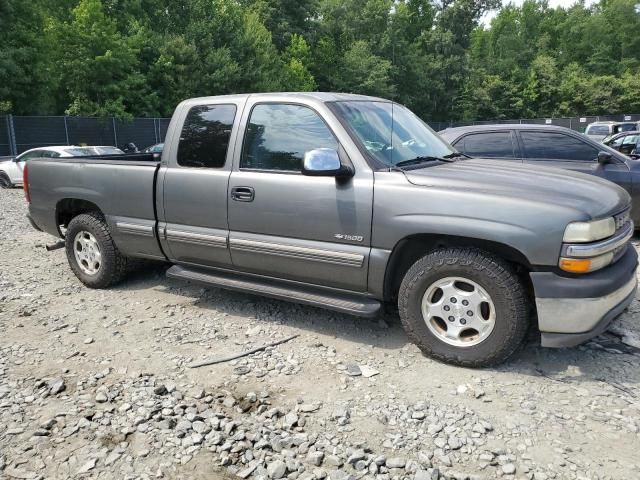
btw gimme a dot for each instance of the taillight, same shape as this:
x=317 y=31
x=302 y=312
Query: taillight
x=25 y=182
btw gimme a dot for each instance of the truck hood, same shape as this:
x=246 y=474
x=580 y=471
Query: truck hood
x=592 y=196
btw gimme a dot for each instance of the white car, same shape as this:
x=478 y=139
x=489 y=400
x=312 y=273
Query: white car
x=11 y=170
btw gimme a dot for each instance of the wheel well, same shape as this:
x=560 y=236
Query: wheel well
x=69 y=208
x=408 y=250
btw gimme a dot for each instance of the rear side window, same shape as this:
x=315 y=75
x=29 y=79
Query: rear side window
x=556 y=146
x=205 y=136
x=489 y=145
x=278 y=135
x=598 y=130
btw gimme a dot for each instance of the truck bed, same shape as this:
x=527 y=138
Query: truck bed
x=121 y=186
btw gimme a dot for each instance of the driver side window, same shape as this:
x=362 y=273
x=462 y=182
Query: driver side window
x=556 y=146
x=278 y=136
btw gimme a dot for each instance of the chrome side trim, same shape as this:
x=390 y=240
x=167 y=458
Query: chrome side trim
x=196 y=238
x=577 y=315
x=135 y=229
x=305 y=253
x=598 y=248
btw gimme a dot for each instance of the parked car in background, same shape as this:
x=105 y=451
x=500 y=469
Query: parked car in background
x=157 y=148
x=549 y=146
x=600 y=130
x=106 y=150
x=346 y=202
x=626 y=142
x=11 y=170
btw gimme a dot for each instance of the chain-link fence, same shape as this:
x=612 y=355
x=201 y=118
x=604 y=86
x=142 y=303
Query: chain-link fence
x=18 y=134
x=575 y=123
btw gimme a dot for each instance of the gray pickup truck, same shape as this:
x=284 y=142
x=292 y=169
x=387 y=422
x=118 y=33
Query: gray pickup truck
x=346 y=202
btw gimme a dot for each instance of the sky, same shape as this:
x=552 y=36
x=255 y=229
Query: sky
x=486 y=19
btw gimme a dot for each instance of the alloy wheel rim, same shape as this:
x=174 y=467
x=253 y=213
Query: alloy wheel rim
x=458 y=311
x=87 y=252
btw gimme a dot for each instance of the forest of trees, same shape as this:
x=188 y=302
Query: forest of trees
x=141 y=57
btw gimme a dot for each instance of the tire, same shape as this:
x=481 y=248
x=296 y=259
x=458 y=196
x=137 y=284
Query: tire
x=5 y=181
x=503 y=320
x=112 y=265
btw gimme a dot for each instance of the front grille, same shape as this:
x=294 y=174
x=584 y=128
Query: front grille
x=622 y=219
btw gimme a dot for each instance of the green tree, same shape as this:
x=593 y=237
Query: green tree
x=297 y=57
x=96 y=65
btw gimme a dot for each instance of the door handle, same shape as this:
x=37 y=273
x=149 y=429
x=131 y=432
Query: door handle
x=242 y=194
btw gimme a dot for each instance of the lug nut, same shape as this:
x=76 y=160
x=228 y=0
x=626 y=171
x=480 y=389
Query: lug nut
x=463 y=321
x=453 y=300
x=470 y=313
x=447 y=308
x=451 y=319
x=465 y=302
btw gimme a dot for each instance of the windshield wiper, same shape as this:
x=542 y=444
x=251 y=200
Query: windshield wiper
x=424 y=159
x=456 y=155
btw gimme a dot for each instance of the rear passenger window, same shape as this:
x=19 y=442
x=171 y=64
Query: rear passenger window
x=205 y=136
x=489 y=145
x=278 y=135
x=556 y=146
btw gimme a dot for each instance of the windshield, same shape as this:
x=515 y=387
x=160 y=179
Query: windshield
x=390 y=133
x=598 y=130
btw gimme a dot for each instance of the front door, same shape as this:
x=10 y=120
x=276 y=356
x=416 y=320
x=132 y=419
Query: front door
x=562 y=150
x=283 y=224
x=194 y=187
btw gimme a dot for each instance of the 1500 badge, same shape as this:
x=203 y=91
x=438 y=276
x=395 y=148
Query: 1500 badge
x=351 y=238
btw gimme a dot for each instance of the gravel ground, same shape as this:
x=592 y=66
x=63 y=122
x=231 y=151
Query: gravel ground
x=97 y=384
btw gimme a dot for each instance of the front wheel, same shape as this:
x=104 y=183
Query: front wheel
x=91 y=252
x=464 y=306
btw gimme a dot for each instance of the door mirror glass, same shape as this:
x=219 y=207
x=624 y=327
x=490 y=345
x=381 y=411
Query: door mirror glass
x=321 y=162
x=604 y=157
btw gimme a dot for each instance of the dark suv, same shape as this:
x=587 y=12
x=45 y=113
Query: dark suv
x=550 y=146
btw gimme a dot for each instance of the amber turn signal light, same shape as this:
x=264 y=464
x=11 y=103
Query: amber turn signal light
x=575 y=265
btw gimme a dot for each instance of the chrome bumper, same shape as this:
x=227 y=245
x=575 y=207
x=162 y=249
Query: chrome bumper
x=578 y=315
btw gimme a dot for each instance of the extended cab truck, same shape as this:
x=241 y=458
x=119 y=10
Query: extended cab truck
x=346 y=202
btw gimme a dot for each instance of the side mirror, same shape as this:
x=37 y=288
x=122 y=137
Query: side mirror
x=604 y=157
x=325 y=162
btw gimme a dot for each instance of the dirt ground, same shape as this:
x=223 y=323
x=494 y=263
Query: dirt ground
x=346 y=398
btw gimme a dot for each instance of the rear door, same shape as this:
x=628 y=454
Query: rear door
x=193 y=208
x=557 y=149
x=498 y=145
x=287 y=225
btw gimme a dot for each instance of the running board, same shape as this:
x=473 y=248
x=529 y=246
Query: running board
x=340 y=302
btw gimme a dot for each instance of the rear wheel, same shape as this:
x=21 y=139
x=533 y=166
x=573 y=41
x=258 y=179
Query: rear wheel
x=91 y=252
x=5 y=181
x=464 y=306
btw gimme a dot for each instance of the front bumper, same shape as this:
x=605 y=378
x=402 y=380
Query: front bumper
x=571 y=310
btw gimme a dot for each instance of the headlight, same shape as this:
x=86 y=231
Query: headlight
x=582 y=232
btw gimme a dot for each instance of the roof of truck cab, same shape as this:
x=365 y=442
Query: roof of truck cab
x=321 y=96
